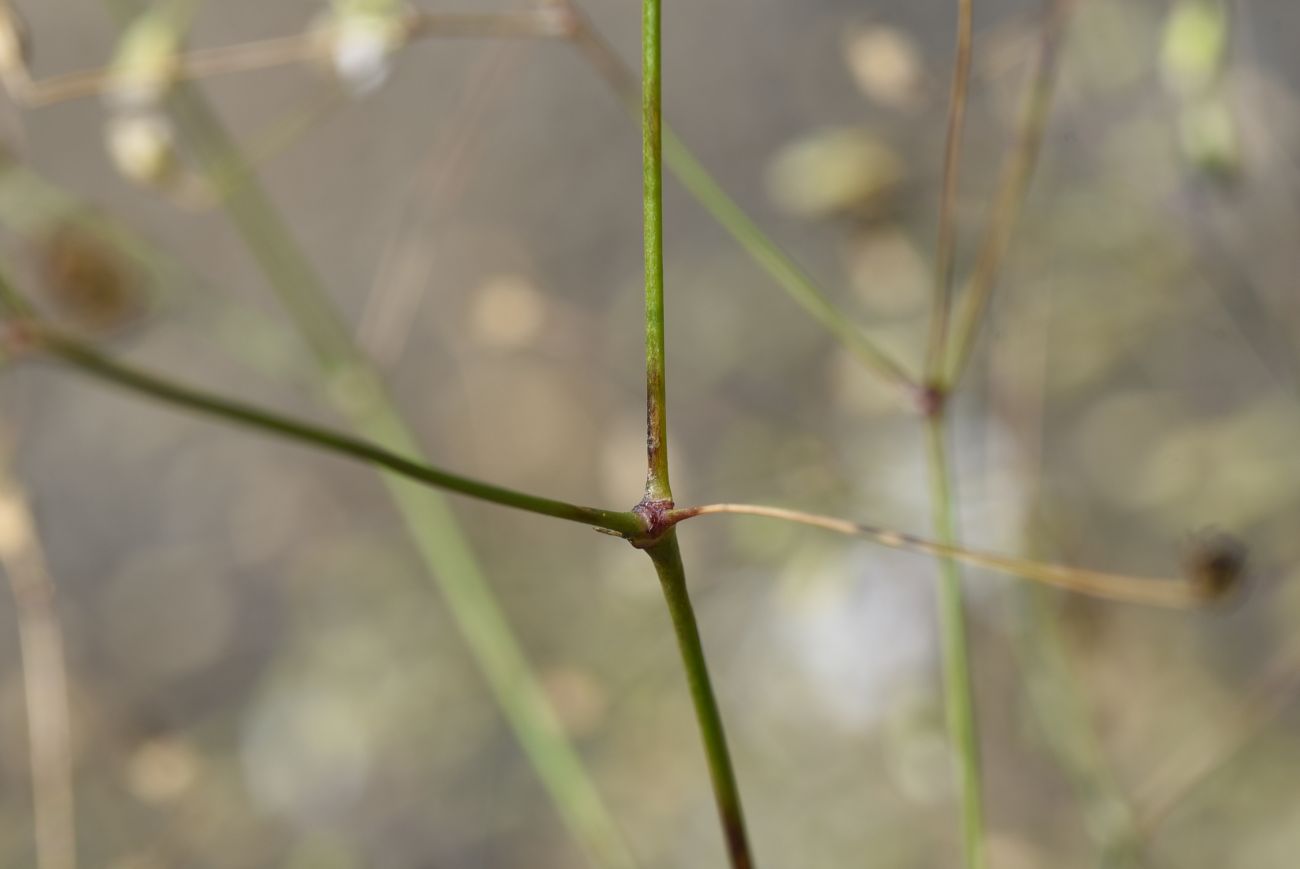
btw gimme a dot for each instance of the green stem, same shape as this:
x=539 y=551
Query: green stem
x=667 y=559
x=697 y=180
x=102 y=367
x=959 y=698
x=356 y=391
x=664 y=552
x=657 y=487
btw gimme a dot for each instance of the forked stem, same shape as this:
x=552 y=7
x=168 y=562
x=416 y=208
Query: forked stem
x=704 y=188
x=663 y=549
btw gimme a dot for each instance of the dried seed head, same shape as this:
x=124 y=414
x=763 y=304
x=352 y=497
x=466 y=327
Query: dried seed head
x=87 y=281
x=1216 y=564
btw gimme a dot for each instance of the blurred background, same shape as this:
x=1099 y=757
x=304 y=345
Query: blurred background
x=261 y=669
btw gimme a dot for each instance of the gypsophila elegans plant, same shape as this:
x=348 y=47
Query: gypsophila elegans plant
x=162 y=134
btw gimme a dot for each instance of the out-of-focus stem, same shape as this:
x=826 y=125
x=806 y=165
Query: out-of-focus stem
x=1017 y=170
x=779 y=265
x=295 y=48
x=946 y=245
x=959 y=695
x=355 y=390
x=45 y=682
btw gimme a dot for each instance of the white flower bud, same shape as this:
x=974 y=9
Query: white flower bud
x=359 y=47
x=142 y=147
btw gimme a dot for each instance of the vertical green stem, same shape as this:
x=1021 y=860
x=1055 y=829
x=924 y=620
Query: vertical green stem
x=777 y=263
x=664 y=552
x=667 y=559
x=959 y=698
x=657 y=485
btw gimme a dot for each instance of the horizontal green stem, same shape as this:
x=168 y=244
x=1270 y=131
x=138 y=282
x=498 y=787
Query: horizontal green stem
x=102 y=367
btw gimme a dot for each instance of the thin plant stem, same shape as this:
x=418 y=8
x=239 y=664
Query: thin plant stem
x=296 y=48
x=664 y=551
x=946 y=245
x=1152 y=591
x=1066 y=722
x=1052 y=689
x=1184 y=771
x=1017 y=171
x=657 y=487
x=666 y=555
x=1112 y=586
x=959 y=701
x=352 y=386
x=543 y=23
x=30 y=335
x=704 y=188
x=405 y=268
x=45 y=681
x=959 y=695
x=101 y=367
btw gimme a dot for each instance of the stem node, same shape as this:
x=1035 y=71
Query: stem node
x=657 y=517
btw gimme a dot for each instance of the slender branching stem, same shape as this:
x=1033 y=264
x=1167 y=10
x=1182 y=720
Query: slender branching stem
x=959 y=695
x=704 y=188
x=946 y=245
x=100 y=367
x=30 y=336
x=564 y=20
x=663 y=549
x=296 y=48
x=352 y=386
x=1174 y=592
x=1013 y=185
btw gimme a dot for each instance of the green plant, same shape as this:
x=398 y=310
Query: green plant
x=385 y=442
